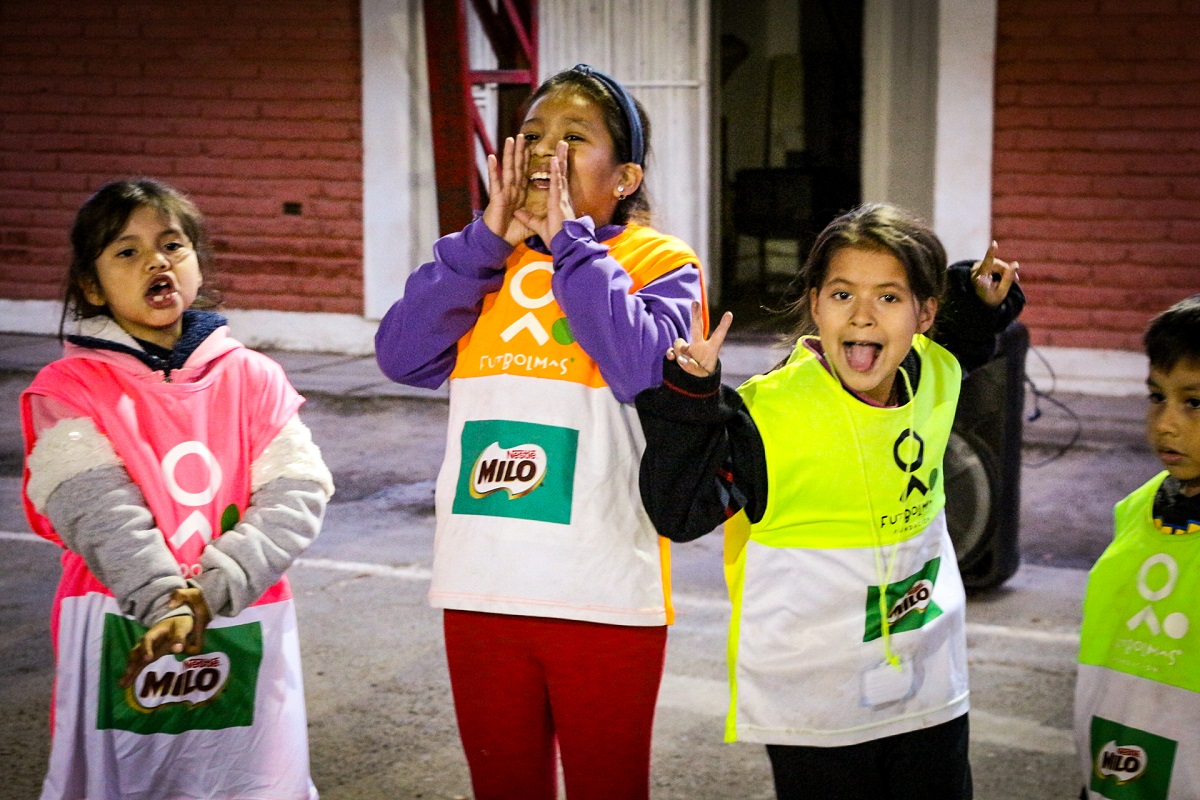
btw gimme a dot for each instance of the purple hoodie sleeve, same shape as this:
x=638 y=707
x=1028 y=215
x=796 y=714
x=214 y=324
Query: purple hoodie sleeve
x=415 y=343
x=627 y=334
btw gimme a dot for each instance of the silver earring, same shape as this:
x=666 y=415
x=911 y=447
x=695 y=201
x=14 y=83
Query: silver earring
x=620 y=192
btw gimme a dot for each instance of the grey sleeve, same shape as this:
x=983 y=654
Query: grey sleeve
x=102 y=515
x=283 y=519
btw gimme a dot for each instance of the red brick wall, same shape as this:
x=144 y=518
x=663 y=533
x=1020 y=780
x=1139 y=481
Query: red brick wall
x=1097 y=162
x=243 y=105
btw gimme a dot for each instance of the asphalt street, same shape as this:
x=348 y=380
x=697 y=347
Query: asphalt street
x=380 y=715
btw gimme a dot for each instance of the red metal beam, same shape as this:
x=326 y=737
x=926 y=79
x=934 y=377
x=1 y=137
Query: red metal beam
x=511 y=29
x=449 y=100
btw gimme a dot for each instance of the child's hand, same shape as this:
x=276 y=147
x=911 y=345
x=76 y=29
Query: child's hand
x=993 y=277
x=558 y=203
x=699 y=358
x=194 y=599
x=507 y=185
x=165 y=636
x=181 y=634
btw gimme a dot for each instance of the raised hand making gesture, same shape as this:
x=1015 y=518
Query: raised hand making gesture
x=699 y=357
x=993 y=277
x=558 y=204
x=507 y=186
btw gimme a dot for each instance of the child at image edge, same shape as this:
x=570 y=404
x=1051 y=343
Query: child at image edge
x=1137 y=696
x=548 y=315
x=847 y=648
x=169 y=463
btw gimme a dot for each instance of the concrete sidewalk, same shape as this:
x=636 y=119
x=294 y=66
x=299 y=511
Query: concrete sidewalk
x=1075 y=419
x=356 y=376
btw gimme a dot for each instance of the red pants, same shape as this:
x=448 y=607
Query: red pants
x=526 y=688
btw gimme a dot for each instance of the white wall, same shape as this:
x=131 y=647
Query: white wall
x=900 y=83
x=927 y=114
x=962 y=192
x=399 y=193
x=659 y=50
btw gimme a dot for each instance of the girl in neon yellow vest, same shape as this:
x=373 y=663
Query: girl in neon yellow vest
x=1137 y=697
x=847 y=655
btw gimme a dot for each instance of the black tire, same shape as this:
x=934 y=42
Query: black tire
x=972 y=494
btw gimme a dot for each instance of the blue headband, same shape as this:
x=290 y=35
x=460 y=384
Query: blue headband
x=637 y=144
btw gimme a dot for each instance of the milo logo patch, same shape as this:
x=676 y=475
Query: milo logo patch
x=1129 y=763
x=516 y=470
x=195 y=680
x=1120 y=761
x=915 y=600
x=521 y=470
x=909 y=603
x=177 y=693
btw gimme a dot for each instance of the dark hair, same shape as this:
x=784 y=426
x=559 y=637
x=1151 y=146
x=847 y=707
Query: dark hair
x=875 y=226
x=1174 y=335
x=101 y=219
x=636 y=206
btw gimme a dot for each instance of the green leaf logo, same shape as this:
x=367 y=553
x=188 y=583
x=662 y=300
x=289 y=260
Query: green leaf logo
x=561 y=331
x=230 y=517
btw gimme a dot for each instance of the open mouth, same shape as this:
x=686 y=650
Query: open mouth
x=861 y=356
x=161 y=293
x=1168 y=456
x=540 y=180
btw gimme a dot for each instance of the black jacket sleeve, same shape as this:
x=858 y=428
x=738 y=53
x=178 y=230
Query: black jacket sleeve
x=967 y=326
x=704 y=458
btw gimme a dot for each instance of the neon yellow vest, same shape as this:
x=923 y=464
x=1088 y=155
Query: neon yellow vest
x=855 y=503
x=1137 y=699
x=877 y=477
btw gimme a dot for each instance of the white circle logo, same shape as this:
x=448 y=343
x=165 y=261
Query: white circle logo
x=518 y=293
x=1172 y=575
x=170 y=463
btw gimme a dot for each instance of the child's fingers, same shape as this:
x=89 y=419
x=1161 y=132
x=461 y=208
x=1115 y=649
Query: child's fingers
x=986 y=268
x=562 y=153
x=493 y=177
x=520 y=170
x=555 y=196
x=718 y=336
x=697 y=321
x=509 y=167
x=522 y=156
x=1007 y=276
x=989 y=257
x=139 y=656
x=132 y=668
x=536 y=225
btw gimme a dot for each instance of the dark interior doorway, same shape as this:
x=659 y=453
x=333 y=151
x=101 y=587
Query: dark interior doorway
x=789 y=137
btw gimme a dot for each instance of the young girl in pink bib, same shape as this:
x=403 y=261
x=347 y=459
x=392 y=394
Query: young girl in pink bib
x=169 y=463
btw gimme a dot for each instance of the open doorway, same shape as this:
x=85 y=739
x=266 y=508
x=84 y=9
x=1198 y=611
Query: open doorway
x=789 y=85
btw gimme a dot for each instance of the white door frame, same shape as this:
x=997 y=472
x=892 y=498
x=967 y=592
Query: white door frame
x=937 y=58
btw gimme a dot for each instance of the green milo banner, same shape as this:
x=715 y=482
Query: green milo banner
x=177 y=693
x=1128 y=763
x=909 y=602
x=520 y=470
